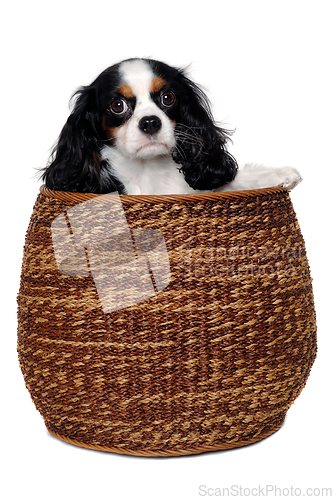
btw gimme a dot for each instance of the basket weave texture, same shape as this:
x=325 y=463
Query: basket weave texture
x=211 y=358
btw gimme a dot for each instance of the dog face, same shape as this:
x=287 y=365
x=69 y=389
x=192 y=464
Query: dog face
x=139 y=109
x=140 y=117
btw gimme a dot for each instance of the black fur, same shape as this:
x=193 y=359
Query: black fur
x=76 y=164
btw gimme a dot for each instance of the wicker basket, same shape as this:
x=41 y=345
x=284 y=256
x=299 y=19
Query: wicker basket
x=165 y=325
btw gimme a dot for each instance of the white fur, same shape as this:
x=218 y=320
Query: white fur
x=143 y=163
x=129 y=139
x=255 y=176
x=159 y=175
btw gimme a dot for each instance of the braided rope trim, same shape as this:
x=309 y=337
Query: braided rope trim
x=176 y=198
x=173 y=452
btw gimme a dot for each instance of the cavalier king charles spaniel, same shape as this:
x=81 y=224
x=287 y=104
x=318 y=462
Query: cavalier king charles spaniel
x=143 y=127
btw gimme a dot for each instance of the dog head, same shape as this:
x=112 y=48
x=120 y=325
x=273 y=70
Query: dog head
x=142 y=109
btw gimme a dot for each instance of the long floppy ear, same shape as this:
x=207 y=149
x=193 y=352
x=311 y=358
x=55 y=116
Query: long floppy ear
x=200 y=143
x=75 y=163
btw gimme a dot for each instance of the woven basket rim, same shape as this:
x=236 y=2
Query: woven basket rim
x=175 y=198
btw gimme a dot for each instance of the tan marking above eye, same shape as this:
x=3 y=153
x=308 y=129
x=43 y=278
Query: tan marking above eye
x=126 y=91
x=157 y=84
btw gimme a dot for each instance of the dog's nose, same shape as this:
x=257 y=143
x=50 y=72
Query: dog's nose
x=150 y=124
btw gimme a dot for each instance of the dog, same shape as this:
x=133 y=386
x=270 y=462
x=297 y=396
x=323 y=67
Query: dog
x=144 y=128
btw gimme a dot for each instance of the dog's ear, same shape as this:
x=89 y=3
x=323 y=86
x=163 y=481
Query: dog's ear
x=76 y=164
x=200 y=143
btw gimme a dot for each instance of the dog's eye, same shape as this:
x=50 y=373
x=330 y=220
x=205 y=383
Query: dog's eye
x=119 y=107
x=168 y=99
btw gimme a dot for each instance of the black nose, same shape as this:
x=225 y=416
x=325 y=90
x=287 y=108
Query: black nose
x=150 y=124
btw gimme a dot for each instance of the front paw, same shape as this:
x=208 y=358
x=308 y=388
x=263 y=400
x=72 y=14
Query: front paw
x=288 y=177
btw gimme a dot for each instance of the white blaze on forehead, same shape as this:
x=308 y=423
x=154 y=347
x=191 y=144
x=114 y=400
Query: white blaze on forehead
x=138 y=75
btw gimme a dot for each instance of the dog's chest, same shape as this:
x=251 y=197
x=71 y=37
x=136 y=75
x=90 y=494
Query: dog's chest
x=159 y=175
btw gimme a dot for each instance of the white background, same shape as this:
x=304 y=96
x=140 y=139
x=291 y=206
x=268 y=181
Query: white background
x=267 y=68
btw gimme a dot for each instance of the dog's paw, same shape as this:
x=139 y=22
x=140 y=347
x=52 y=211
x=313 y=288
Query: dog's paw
x=288 y=177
